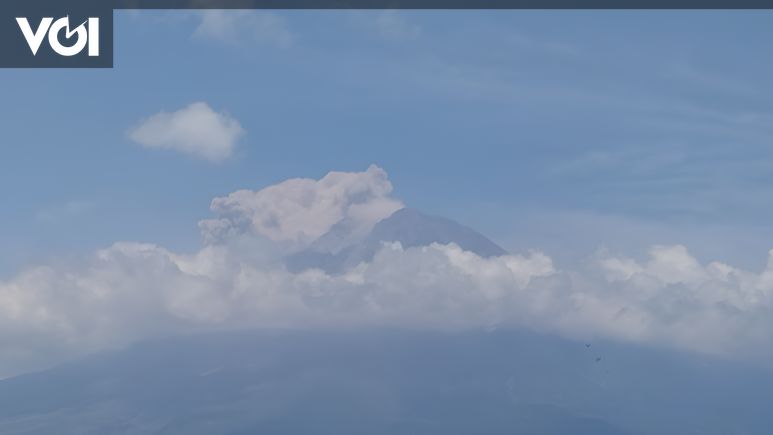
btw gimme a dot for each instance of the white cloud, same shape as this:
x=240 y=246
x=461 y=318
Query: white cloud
x=673 y=300
x=133 y=291
x=195 y=129
x=298 y=211
x=241 y=26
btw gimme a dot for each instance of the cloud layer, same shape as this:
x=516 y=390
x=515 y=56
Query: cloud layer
x=196 y=130
x=238 y=279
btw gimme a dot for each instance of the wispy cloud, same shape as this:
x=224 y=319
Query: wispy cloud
x=525 y=42
x=388 y=25
x=67 y=210
x=392 y=25
x=240 y=27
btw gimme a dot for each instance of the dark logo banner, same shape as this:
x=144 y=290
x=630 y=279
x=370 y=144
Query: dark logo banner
x=56 y=34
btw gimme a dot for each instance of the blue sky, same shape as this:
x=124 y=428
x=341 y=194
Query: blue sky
x=563 y=131
x=622 y=158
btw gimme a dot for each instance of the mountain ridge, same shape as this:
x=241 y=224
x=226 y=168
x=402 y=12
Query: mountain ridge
x=409 y=227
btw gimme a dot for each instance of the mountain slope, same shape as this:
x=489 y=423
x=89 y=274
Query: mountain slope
x=412 y=228
x=409 y=227
x=388 y=382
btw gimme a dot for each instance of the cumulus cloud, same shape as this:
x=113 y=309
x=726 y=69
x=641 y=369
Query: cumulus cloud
x=238 y=279
x=196 y=130
x=673 y=299
x=242 y=26
x=298 y=211
x=133 y=291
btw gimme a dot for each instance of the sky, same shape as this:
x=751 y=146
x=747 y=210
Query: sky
x=571 y=135
x=643 y=125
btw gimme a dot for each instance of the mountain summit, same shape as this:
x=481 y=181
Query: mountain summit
x=412 y=228
x=407 y=226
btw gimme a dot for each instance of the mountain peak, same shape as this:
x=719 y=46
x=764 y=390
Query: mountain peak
x=409 y=227
x=413 y=228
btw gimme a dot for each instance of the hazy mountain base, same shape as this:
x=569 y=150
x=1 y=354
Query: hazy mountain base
x=388 y=382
